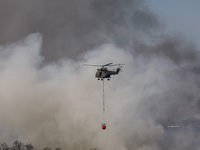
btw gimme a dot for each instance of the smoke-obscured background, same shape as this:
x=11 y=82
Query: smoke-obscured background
x=49 y=99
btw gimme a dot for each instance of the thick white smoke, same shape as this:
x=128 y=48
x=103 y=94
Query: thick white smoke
x=60 y=104
x=56 y=104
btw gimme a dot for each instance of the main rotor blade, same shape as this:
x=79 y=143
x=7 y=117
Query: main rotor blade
x=98 y=65
x=92 y=65
x=117 y=65
x=107 y=64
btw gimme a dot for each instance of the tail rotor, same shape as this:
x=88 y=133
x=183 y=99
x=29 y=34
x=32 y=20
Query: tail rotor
x=120 y=67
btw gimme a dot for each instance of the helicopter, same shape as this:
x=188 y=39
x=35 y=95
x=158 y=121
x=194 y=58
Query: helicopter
x=103 y=72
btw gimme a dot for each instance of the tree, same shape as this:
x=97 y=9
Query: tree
x=29 y=146
x=4 y=146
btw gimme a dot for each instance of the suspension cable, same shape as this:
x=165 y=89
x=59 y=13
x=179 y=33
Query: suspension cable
x=103 y=99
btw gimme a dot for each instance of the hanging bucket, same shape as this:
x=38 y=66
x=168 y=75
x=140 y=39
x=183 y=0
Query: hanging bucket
x=103 y=126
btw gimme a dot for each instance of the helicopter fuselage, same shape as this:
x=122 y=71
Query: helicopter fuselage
x=105 y=73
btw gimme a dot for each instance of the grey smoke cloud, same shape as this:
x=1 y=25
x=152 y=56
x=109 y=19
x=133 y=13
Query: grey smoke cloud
x=71 y=27
x=60 y=104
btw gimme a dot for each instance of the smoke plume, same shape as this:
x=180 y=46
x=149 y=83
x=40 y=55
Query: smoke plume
x=70 y=27
x=50 y=99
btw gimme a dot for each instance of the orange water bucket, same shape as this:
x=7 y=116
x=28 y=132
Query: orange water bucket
x=103 y=126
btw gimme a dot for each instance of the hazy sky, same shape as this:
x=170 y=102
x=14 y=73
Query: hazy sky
x=179 y=16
